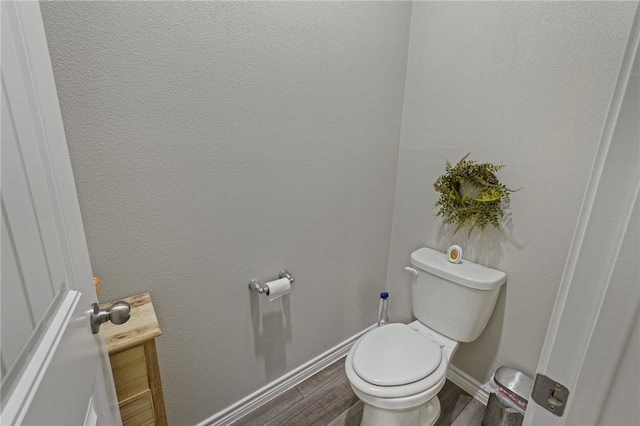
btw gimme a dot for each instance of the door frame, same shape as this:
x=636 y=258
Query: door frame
x=578 y=328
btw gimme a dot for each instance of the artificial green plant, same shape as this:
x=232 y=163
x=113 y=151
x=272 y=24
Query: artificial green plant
x=471 y=195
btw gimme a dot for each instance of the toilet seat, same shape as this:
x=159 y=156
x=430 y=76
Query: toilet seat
x=381 y=357
x=433 y=379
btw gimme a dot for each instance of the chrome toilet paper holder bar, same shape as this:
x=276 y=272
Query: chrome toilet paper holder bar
x=254 y=285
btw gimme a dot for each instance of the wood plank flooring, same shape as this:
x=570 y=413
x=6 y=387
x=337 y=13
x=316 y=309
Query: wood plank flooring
x=326 y=399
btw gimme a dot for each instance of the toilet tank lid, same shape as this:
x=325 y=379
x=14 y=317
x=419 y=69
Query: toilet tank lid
x=465 y=273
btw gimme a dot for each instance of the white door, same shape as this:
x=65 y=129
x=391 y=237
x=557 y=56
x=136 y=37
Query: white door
x=599 y=298
x=55 y=371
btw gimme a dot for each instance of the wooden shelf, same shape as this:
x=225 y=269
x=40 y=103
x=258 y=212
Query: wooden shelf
x=134 y=362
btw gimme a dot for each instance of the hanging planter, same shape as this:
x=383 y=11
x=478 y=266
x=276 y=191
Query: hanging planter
x=471 y=195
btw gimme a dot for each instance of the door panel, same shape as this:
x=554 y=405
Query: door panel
x=597 y=301
x=14 y=304
x=53 y=369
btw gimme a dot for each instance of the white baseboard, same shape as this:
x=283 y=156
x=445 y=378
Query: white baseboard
x=300 y=374
x=467 y=384
x=281 y=385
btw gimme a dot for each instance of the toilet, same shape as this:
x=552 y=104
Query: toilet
x=397 y=370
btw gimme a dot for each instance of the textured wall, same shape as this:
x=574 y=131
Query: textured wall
x=525 y=84
x=215 y=142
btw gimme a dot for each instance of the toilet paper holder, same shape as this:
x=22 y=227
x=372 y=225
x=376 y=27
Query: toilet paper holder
x=254 y=285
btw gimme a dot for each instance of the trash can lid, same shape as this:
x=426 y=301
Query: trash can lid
x=515 y=383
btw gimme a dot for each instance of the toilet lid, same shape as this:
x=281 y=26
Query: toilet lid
x=395 y=355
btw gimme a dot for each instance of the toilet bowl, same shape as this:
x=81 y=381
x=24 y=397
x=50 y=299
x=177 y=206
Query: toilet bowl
x=397 y=371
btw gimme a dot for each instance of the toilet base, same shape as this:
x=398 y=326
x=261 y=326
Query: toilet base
x=425 y=415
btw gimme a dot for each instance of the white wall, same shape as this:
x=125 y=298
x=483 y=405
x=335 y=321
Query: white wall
x=215 y=142
x=525 y=84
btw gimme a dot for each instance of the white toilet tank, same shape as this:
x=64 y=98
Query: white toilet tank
x=454 y=299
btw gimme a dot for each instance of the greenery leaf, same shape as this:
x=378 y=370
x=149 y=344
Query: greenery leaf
x=457 y=206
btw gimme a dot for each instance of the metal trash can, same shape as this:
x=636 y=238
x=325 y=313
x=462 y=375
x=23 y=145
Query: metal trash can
x=509 y=397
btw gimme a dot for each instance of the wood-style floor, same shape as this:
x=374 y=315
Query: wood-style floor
x=326 y=399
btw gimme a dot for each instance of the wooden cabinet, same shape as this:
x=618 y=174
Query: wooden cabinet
x=132 y=351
